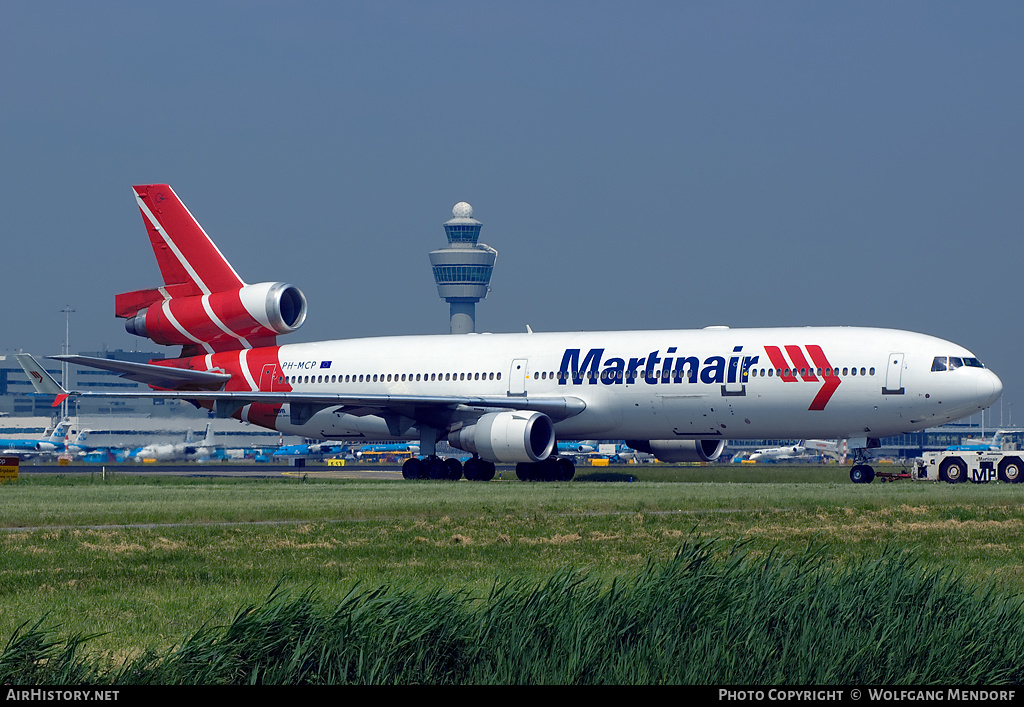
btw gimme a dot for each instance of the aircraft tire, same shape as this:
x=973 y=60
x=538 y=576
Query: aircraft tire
x=953 y=470
x=566 y=469
x=1010 y=470
x=478 y=470
x=551 y=469
x=862 y=474
x=488 y=472
x=526 y=471
x=454 y=469
x=413 y=469
x=436 y=469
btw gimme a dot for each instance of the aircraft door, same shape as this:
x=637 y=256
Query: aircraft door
x=517 y=377
x=894 y=375
x=268 y=378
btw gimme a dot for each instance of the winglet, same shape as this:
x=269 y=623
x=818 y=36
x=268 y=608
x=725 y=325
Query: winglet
x=42 y=381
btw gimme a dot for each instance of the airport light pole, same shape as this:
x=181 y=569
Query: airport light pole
x=64 y=364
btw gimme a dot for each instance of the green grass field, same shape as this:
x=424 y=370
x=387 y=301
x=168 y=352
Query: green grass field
x=145 y=561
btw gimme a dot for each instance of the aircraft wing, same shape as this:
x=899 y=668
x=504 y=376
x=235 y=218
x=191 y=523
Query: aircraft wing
x=227 y=401
x=148 y=373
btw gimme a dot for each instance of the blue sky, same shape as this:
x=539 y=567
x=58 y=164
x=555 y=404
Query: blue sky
x=636 y=165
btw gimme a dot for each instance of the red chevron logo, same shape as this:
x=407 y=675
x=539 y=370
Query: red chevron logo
x=797 y=364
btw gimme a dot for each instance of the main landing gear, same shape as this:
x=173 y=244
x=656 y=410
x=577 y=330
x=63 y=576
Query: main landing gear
x=551 y=469
x=438 y=469
x=477 y=469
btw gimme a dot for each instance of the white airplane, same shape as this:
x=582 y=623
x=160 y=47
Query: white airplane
x=189 y=450
x=678 y=394
x=776 y=453
x=803 y=448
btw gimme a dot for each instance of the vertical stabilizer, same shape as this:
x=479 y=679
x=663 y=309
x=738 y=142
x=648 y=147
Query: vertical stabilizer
x=184 y=252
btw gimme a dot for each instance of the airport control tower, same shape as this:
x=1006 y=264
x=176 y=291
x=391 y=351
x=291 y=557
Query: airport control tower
x=462 y=271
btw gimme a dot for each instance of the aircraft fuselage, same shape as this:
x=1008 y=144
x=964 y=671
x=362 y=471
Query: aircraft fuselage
x=685 y=384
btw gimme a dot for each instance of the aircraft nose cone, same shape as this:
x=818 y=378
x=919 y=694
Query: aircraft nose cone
x=989 y=388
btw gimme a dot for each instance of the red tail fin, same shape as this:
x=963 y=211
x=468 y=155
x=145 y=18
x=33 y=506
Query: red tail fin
x=204 y=305
x=189 y=261
x=183 y=250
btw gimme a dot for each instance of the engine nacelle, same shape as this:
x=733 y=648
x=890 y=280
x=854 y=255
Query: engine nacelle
x=253 y=312
x=512 y=436
x=680 y=450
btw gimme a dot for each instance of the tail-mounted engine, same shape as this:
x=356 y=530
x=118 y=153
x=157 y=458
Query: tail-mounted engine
x=680 y=450
x=252 y=314
x=512 y=436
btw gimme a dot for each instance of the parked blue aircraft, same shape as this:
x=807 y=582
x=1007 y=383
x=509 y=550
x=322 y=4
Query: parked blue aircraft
x=24 y=448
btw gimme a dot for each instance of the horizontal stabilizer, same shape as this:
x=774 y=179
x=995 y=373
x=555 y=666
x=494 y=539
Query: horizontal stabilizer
x=150 y=374
x=42 y=381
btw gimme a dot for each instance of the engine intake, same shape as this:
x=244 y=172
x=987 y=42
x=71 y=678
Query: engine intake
x=253 y=312
x=512 y=436
x=680 y=450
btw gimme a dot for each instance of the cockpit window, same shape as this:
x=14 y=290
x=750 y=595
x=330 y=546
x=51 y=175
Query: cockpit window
x=943 y=363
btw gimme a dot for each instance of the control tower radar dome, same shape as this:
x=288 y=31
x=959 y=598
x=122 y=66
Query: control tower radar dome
x=463 y=269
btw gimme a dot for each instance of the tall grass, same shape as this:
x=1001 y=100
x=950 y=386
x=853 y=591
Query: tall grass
x=712 y=614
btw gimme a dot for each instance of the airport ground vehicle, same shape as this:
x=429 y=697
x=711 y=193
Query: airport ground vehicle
x=954 y=467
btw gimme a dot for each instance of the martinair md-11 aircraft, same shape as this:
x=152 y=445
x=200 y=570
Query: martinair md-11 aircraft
x=678 y=394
